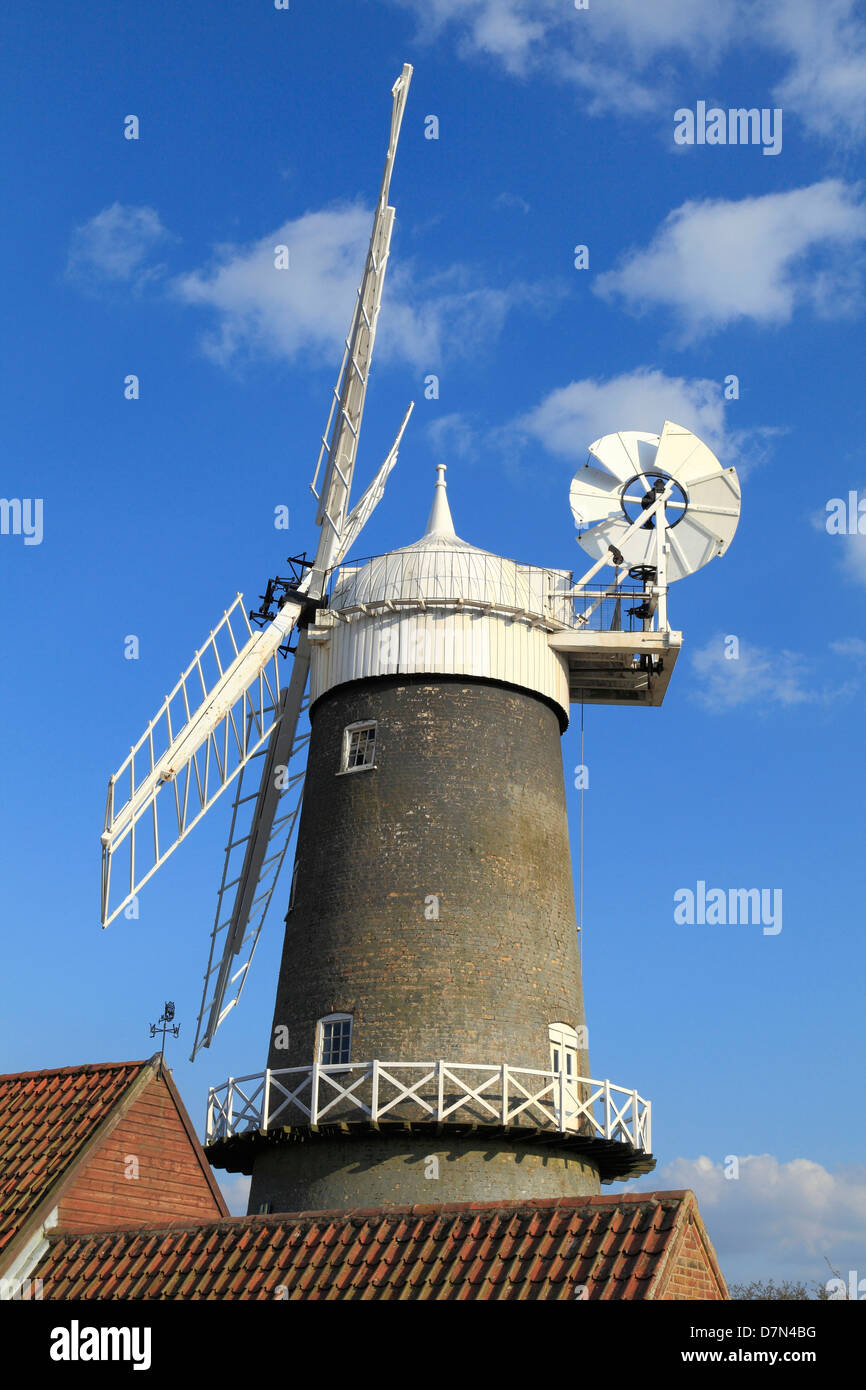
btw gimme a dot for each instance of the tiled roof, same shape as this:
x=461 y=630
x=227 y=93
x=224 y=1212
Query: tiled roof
x=46 y=1120
x=615 y=1246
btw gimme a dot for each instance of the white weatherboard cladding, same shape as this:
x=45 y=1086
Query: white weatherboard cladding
x=439 y=641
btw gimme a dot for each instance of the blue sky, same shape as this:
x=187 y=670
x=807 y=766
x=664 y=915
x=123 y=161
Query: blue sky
x=556 y=129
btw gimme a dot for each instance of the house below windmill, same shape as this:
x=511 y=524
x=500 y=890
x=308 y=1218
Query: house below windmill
x=75 y=1224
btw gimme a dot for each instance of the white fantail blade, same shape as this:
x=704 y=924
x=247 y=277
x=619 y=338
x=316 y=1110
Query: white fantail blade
x=700 y=514
x=223 y=708
x=684 y=456
x=340 y=439
x=626 y=453
x=592 y=498
x=616 y=461
x=712 y=512
x=260 y=834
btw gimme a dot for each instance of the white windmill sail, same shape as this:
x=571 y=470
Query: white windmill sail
x=240 y=916
x=228 y=703
x=235 y=933
x=340 y=439
x=370 y=499
x=224 y=709
x=251 y=859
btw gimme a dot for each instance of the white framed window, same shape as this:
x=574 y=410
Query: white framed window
x=359 y=746
x=334 y=1040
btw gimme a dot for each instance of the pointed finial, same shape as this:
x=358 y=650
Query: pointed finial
x=440 y=522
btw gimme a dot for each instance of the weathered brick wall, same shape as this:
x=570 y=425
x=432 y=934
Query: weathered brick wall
x=466 y=803
x=382 y=1172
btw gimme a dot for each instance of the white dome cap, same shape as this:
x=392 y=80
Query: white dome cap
x=442 y=607
x=438 y=566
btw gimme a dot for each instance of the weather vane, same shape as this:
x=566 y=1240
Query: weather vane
x=164 y=1026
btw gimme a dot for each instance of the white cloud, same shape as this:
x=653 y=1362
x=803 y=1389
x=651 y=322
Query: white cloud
x=850 y=646
x=502 y=29
x=853 y=557
x=115 y=246
x=630 y=56
x=826 y=43
x=529 y=34
x=848 y=549
x=757 y=675
x=784 y=1218
x=235 y=1187
x=512 y=200
x=454 y=436
x=570 y=418
x=506 y=30
x=609 y=88
x=306 y=308
x=714 y=262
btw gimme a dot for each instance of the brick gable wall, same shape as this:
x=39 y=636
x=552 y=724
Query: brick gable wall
x=171 y=1185
x=691 y=1275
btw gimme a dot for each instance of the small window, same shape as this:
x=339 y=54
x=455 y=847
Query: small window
x=335 y=1040
x=359 y=747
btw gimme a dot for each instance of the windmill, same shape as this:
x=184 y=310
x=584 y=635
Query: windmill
x=430 y=981
x=229 y=707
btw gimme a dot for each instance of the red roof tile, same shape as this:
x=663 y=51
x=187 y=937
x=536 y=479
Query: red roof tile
x=46 y=1119
x=539 y=1249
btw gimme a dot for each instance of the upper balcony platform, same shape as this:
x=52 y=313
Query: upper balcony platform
x=610 y=668
x=609 y=1125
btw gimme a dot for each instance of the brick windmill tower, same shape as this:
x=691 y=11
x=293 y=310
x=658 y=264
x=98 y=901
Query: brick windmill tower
x=429 y=1038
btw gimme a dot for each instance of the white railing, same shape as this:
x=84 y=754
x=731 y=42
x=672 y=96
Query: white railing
x=408 y=579
x=442 y=1092
x=466 y=577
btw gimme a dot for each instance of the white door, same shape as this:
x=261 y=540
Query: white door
x=563 y=1058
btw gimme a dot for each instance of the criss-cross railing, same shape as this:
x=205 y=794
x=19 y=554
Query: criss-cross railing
x=444 y=1092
